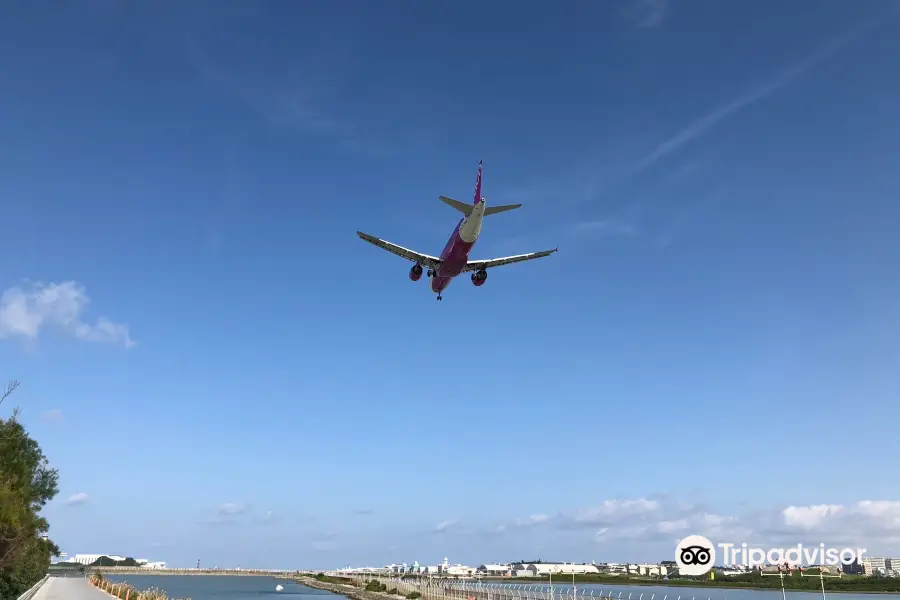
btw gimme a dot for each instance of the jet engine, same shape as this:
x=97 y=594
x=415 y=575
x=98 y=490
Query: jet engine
x=416 y=272
x=479 y=277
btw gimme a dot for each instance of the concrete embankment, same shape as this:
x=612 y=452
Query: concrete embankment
x=445 y=590
x=351 y=591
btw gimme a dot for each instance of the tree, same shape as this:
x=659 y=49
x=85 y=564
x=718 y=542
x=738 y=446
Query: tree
x=27 y=483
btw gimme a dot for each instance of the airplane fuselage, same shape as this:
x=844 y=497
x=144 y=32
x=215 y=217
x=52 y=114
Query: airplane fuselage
x=455 y=254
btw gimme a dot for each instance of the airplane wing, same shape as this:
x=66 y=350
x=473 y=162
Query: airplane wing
x=430 y=262
x=476 y=265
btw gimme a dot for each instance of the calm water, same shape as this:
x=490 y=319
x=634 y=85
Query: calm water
x=214 y=587
x=220 y=587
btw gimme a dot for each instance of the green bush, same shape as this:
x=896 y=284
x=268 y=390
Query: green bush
x=413 y=595
x=394 y=592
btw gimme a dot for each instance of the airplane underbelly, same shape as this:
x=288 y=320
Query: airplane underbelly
x=456 y=259
x=438 y=283
x=449 y=269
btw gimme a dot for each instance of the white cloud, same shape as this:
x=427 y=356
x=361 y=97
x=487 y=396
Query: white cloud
x=230 y=509
x=24 y=312
x=446 y=525
x=54 y=414
x=267 y=517
x=532 y=520
x=79 y=498
x=809 y=517
x=876 y=520
x=611 y=511
x=867 y=523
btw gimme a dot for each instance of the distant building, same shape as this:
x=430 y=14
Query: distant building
x=885 y=567
x=457 y=571
x=853 y=568
x=494 y=570
x=578 y=569
x=542 y=569
x=648 y=570
x=396 y=569
x=87 y=559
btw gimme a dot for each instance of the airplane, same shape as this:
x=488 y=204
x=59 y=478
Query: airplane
x=454 y=259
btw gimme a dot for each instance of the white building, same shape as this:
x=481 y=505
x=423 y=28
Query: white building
x=577 y=569
x=494 y=570
x=458 y=571
x=874 y=565
x=648 y=570
x=544 y=569
x=396 y=568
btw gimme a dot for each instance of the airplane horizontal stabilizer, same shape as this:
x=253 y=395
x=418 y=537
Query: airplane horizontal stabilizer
x=462 y=207
x=492 y=210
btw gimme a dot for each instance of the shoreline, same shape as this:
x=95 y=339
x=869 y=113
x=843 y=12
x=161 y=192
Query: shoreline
x=349 y=590
x=686 y=584
x=361 y=594
x=345 y=589
x=724 y=585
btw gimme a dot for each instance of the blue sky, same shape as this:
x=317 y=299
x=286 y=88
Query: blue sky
x=220 y=369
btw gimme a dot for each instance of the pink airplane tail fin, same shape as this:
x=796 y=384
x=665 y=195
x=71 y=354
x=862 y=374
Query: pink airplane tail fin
x=478 y=184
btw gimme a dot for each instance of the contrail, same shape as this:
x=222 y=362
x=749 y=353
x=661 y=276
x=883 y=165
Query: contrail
x=785 y=78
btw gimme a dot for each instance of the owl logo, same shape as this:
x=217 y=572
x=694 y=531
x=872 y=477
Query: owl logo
x=695 y=555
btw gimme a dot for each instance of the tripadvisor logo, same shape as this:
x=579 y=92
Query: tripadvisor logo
x=695 y=555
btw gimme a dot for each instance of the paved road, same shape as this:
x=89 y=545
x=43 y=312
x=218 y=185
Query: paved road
x=69 y=588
